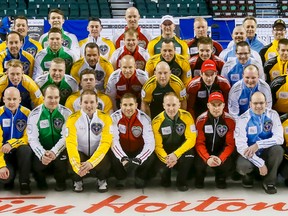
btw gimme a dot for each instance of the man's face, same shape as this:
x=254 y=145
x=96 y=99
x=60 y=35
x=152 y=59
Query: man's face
x=283 y=52
x=92 y=56
x=163 y=75
x=88 y=82
x=171 y=105
x=55 y=41
x=168 y=51
x=57 y=72
x=205 y=51
x=167 y=28
x=94 y=28
x=250 y=28
x=209 y=77
x=51 y=98
x=258 y=104
x=243 y=54
x=128 y=67
x=239 y=34
x=14 y=44
x=12 y=100
x=216 y=108
x=279 y=32
x=15 y=75
x=200 y=28
x=132 y=17
x=131 y=42
x=56 y=20
x=128 y=107
x=89 y=104
x=250 y=77
x=21 y=27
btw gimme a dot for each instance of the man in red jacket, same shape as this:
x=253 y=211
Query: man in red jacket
x=215 y=142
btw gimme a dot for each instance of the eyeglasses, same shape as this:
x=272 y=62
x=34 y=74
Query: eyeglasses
x=242 y=54
x=258 y=103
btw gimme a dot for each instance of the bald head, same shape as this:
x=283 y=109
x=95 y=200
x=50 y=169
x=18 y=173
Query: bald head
x=132 y=17
x=127 y=58
x=163 y=73
x=128 y=66
x=239 y=34
x=12 y=99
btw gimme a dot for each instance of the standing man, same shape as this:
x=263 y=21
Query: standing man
x=132 y=18
x=168 y=27
x=157 y=86
x=92 y=60
x=45 y=135
x=175 y=137
x=215 y=142
x=133 y=141
x=15 y=151
x=66 y=83
x=106 y=46
x=124 y=80
x=13 y=51
x=88 y=139
x=55 y=49
x=258 y=137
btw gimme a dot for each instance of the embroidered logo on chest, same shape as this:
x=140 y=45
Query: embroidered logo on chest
x=20 y=124
x=136 y=131
x=221 y=130
x=58 y=123
x=267 y=126
x=96 y=128
x=180 y=128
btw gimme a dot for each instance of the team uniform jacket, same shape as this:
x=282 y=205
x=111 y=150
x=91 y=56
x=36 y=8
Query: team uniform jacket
x=196 y=64
x=13 y=129
x=144 y=37
x=92 y=137
x=177 y=136
x=29 y=45
x=285 y=128
x=198 y=94
x=30 y=93
x=265 y=130
x=106 y=46
x=279 y=90
x=269 y=51
x=181 y=47
x=69 y=40
x=103 y=71
x=46 y=130
x=140 y=55
x=255 y=43
x=26 y=58
x=132 y=137
x=153 y=94
x=67 y=85
x=104 y=102
x=118 y=85
x=274 y=67
x=233 y=70
x=193 y=49
x=179 y=66
x=215 y=136
x=240 y=95
x=44 y=57
x=230 y=53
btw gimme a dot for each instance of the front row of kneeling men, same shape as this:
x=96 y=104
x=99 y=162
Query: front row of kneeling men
x=101 y=145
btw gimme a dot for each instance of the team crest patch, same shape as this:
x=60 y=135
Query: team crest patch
x=65 y=43
x=268 y=126
x=136 y=88
x=100 y=106
x=140 y=65
x=21 y=124
x=68 y=62
x=64 y=93
x=96 y=128
x=176 y=71
x=58 y=123
x=180 y=128
x=221 y=130
x=26 y=66
x=99 y=75
x=103 y=49
x=31 y=50
x=136 y=131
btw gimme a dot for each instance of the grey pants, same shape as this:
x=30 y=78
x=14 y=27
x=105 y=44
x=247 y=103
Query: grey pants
x=272 y=156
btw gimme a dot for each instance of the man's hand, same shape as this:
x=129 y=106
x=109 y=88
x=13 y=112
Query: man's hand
x=171 y=160
x=85 y=168
x=4 y=173
x=6 y=148
x=214 y=161
x=251 y=150
x=48 y=157
x=51 y=155
x=263 y=170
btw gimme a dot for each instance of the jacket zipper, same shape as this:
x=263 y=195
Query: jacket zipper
x=214 y=133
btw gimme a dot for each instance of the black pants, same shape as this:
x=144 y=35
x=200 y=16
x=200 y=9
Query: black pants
x=101 y=171
x=142 y=171
x=19 y=159
x=58 y=167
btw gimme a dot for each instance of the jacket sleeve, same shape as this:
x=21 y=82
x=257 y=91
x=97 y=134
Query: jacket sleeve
x=201 y=140
x=159 y=150
x=116 y=146
x=2 y=161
